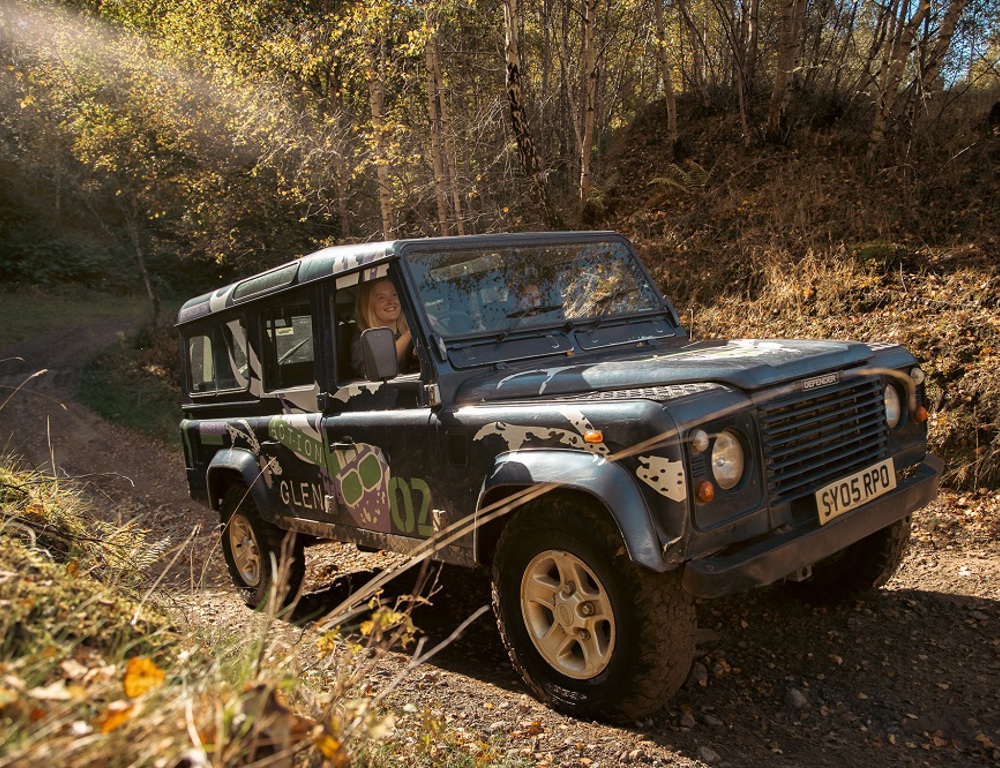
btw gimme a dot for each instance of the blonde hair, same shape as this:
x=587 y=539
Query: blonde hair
x=364 y=308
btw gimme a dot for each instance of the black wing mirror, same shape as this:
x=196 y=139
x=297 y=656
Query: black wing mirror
x=379 y=349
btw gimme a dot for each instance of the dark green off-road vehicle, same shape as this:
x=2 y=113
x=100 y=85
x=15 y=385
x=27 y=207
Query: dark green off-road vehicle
x=559 y=427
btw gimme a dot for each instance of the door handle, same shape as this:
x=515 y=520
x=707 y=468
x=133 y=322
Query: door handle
x=343 y=444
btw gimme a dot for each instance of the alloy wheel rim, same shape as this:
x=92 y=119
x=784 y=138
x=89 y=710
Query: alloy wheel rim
x=568 y=614
x=246 y=553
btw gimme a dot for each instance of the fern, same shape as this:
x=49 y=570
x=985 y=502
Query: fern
x=691 y=178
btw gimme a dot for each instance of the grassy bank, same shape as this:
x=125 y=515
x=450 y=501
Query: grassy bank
x=98 y=667
x=134 y=383
x=33 y=311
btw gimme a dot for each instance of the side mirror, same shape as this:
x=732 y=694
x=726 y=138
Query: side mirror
x=379 y=349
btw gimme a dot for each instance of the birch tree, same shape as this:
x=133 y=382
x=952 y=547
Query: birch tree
x=519 y=123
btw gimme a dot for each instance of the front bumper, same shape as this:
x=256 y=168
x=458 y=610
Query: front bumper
x=778 y=556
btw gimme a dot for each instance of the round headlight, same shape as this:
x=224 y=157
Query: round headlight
x=727 y=460
x=893 y=406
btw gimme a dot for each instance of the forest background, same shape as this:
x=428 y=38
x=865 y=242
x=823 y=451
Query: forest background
x=800 y=167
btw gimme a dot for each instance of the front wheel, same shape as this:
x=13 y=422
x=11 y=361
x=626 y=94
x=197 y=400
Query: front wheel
x=259 y=554
x=591 y=633
x=865 y=565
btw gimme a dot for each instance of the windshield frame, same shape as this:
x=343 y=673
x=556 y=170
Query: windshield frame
x=571 y=277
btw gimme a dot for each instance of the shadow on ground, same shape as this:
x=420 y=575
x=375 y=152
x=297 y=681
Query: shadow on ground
x=906 y=677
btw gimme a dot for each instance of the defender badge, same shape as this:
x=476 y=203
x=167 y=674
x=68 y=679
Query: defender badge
x=818 y=382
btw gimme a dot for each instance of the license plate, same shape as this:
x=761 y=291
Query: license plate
x=852 y=491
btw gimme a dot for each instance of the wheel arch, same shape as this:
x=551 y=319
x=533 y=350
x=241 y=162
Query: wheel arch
x=236 y=466
x=522 y=476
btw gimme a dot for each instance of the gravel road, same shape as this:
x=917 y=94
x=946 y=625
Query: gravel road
x=908 y=677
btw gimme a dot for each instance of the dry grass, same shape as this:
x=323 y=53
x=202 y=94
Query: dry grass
x=96 y=668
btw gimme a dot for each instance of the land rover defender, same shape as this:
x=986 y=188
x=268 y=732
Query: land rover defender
x=552 y=422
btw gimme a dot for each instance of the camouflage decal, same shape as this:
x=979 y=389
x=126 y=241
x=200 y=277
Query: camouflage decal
x=219 y=299
x=356 y=479
x=251 y=372
x=269 y=470
x=372 y=273
x=356 y=260
x=344 y=394
x=301 y=435
x=362 y=487
x=663 y=476
x=550 y=373
x=299 y=401
x=242 y=431
x=212 y=432
x=738 y=348
x=518 y=436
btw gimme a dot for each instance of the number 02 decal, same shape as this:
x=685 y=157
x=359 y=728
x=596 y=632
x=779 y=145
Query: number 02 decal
x=403 y=516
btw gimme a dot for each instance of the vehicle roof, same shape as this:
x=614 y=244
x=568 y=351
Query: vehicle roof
x=341 y=258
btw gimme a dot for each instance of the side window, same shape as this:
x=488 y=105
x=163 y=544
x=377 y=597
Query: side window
x=201 y=363
x=288 y=346
x=216 y=361
x=345 y=331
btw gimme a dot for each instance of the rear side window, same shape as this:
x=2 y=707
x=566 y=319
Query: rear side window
x=288 y=347
x=217 y=359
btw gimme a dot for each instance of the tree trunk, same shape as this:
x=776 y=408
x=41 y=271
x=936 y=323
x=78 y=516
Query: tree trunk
x=519 y=123
x=894 y=76
x=942 y=42
x=381 y=155
x=590 y=95
x=668 y=81
x=792 y=14
x=132 y=222
x=752 y=44
x=698 y=51
x=433 y=114
x=343 y=210
x=450 y=154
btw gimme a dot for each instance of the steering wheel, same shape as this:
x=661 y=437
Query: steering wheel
x=453 y=321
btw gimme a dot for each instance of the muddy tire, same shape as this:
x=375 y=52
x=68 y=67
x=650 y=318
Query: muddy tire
x=591 y=633
x=863 y=566
x=254 y=550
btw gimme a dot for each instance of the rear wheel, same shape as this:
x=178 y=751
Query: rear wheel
x=591 y=632
x=863 y=566
x=258 y=553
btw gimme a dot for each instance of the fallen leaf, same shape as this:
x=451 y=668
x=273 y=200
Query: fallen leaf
x=73 y=669
x=116 y=714
x=332 y=750
x=55 y=692
x=141 y=676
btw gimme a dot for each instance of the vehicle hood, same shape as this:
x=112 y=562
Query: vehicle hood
x=745 y=364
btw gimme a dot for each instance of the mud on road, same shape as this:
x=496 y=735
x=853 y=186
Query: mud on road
x=909 y=676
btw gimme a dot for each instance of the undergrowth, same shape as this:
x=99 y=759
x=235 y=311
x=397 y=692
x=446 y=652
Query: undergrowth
x=97 y=667
x=825 y=240
x=134 y=383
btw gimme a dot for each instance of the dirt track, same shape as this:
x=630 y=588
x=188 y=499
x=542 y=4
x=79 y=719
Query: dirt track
x=909 y=677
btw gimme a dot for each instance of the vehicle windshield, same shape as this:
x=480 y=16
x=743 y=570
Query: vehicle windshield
x=501 y=290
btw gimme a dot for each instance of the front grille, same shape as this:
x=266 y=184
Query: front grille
x=813 y=438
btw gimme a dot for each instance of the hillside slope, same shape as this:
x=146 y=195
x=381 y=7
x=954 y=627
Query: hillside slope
x=822 y=240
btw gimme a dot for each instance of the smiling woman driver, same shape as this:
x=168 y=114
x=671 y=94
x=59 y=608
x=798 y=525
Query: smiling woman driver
x=378 y=306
